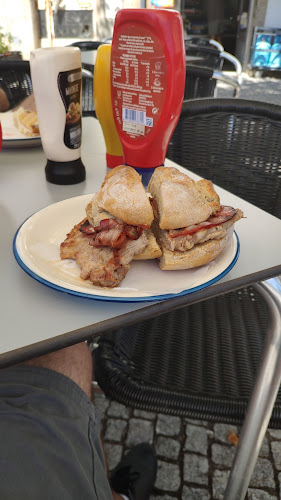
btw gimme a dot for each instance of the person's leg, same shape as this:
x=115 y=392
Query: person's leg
x=75 y=362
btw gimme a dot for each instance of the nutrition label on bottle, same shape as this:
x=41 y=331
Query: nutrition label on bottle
x=69 y=84
x=139 y=81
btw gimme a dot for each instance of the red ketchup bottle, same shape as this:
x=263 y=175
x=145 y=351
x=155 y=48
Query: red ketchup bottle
x=147 y=83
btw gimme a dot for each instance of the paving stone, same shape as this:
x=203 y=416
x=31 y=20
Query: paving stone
x=168 y=477
x=274 y=433
x=220 y=478
x=115 y=429
x=195 y=469
x=260 y=495
x=196 y=439
x=168 y=425
x=189 y=493
x=264 y=451
x=223 y=455
x=139 y=431
x=192 y=421
x=117 y=410
x=113 y=453
x=222 y=431
x=276 y=452
x=101 y=403
x=167 y=447
x=263 y=476
x=148 y=415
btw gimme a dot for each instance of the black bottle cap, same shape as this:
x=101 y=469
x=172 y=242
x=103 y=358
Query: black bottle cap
x=65 y=172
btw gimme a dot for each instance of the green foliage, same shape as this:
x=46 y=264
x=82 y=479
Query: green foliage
x=6 y=40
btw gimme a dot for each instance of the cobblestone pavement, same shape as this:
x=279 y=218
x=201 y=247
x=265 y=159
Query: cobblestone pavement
x=265 y=89
x=194 y=457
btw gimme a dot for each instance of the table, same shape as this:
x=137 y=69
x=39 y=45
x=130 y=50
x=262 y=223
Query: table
x=37 y=319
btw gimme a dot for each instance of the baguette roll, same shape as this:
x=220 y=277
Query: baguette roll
x=190 y=225
x=197 y=256
x=122 y=195
x=181 y=201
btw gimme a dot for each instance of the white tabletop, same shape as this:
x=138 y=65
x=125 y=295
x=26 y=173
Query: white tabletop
x=36 y=319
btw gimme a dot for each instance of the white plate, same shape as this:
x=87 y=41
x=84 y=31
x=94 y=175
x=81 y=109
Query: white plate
x=37 y=250
x=12 y=137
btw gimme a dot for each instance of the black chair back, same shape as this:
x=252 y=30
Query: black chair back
x=234 y=142
x=15 y=80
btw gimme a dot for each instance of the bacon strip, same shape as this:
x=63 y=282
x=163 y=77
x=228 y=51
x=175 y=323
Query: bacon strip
x=224 y=214
x=87 y=228
x=111 y=233
x=114 y=238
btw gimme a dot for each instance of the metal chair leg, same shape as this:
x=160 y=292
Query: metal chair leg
x=262 y=400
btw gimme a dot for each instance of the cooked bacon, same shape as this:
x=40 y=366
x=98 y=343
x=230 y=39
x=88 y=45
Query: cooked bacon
x=224 y=214
x=115 y=238
x=106 y=224
x=133 y=232
x=87 y=228
x=111 y=233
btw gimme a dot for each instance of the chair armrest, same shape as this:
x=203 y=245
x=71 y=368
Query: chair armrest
x=216 y=44
x=222 y=77
x=236 y=63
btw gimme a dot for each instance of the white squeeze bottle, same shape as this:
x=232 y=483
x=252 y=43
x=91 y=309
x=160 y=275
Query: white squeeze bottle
x=57 y=85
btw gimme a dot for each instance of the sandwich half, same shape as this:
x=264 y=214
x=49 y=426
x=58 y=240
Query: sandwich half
x=190 y=223
x=26 y=122
x=115 y=231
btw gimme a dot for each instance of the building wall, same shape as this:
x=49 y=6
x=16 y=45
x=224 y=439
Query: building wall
x=19 y=17
x=273 y=14
x=260 y=12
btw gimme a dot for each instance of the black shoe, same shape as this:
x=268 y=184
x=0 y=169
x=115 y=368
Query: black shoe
x=135 y=474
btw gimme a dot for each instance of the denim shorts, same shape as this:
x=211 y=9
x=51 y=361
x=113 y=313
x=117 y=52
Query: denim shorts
x=49 y=438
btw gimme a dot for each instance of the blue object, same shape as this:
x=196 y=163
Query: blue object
x=275 y=55
x=261 y=52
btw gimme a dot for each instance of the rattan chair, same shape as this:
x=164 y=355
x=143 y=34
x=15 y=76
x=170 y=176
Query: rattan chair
x=202 y=361
x=15 y=80
x=204 y=68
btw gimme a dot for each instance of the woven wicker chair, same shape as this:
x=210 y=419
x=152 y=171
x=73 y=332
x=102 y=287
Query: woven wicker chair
x=15 y=80
x=201 y=361
x=204 y=67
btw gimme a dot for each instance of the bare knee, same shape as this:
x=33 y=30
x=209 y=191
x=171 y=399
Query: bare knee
x=75 y=362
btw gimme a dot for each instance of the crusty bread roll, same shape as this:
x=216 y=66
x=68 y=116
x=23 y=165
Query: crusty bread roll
x=123 y=195
x=152 y=249
x=198 y=255
x=180 y=200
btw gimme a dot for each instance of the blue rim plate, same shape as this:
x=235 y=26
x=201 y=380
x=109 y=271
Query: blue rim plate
x=36 y=248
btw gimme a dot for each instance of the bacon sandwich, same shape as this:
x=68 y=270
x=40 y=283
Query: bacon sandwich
x=115 y=231
x=190 y=223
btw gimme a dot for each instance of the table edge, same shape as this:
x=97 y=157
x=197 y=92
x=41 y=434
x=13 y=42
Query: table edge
x=156 y=309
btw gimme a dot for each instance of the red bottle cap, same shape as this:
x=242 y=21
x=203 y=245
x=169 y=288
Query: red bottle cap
x=113 y=161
